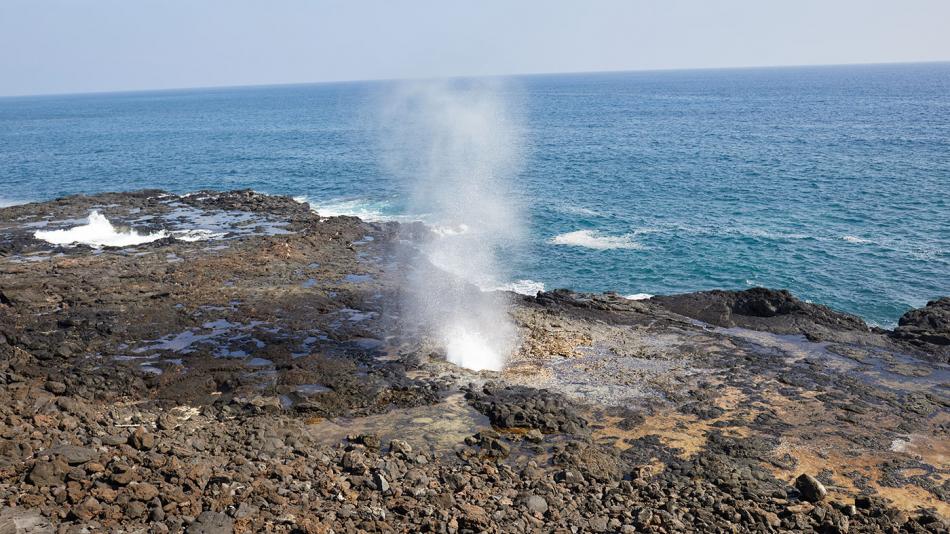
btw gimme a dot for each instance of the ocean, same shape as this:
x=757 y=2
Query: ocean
x=832 y=182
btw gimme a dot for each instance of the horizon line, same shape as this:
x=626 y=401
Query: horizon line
x=463 y=77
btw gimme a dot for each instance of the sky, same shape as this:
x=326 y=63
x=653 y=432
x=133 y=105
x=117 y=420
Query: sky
x=70 y=46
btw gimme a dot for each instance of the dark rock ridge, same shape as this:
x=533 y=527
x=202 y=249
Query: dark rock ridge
x=925 y=331
x=927 y=328
x=760 y=308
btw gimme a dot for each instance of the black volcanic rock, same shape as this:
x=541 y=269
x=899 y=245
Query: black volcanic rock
x=759 y=308
x=927 y=328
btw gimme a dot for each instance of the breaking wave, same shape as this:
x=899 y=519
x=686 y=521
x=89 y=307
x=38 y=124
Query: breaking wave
x=98 y=232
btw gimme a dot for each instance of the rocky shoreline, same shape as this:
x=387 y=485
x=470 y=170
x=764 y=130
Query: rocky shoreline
x=255 y=377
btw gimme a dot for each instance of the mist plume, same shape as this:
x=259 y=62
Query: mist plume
x=458 y=145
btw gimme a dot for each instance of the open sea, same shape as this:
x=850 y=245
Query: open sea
x=832 y=182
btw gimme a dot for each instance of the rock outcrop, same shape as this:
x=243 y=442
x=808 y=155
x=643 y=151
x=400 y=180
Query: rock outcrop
x=927 y=328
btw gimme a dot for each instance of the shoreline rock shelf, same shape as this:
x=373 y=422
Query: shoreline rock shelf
x=255 y=376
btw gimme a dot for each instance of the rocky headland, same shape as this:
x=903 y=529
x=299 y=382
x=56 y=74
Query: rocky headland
x=249 y=371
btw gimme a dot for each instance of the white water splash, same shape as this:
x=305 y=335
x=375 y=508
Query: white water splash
x=458 y=145
x=97 y=232
x=638 y=296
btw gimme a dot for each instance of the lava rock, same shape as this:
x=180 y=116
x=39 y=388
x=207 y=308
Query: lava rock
x=398 y=446
x=143 y=491
x=209 y=522
x=48 y=473
x=381 y=483
x=811 y=489
x=536 y=504
x=73 y=455
x=55 y=387
x=142 y=440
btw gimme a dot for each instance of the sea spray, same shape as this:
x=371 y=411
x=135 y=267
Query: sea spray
x=458 y=145
x=97 y=232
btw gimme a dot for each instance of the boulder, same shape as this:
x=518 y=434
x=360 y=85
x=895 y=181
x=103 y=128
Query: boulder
x=811 y=489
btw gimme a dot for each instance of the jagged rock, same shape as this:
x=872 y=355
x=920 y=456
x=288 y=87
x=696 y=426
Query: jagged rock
x=381 y=483
x=927 y=328
x=88 y=509
x=143 y=491
x=398 y=446
x=48 y=473
x=355 y=462
x=142 y=439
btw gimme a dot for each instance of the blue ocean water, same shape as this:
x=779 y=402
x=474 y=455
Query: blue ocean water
x=833 y=182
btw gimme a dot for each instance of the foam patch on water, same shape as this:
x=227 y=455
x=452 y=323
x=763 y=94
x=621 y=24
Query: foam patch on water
x=855 y=239
x=97 y=232
x=595 y=240
x=577 y=210
x=197 y=235
x=522 y=287
x=638 y=296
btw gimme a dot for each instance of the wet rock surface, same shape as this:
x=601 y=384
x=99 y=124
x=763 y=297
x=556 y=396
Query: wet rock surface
x=249 y=373
x=927 y=328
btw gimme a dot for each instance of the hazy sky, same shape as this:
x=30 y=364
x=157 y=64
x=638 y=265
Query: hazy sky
x=55 y=46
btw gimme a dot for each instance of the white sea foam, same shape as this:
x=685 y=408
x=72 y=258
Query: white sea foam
x=577 y=210
x=638 y=296
x=855 y=239
x=595 y=240
x=197 y=235
x=98 y=232
x=366 y=210
x=523 y=287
